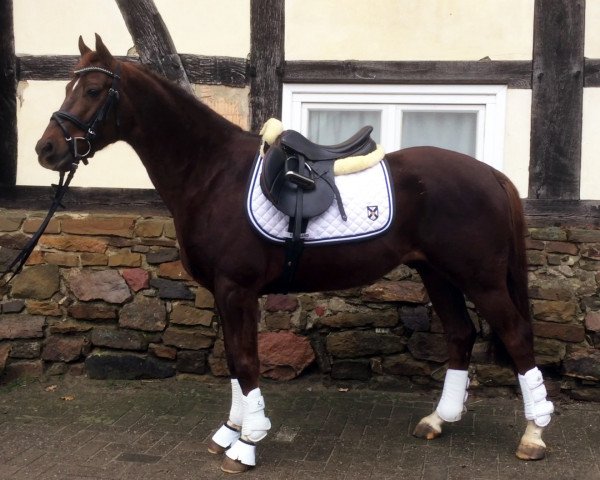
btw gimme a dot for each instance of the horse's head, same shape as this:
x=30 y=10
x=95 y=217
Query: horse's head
x=87 y=120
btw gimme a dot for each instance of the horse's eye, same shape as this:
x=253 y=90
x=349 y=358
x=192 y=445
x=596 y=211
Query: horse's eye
x=92 y=92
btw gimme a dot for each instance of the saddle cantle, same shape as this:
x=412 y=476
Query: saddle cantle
x=298 y=178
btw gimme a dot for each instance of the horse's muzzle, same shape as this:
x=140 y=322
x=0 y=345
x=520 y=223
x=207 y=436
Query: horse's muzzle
x=51 y=157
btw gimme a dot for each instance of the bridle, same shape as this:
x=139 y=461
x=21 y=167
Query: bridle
x=90 y=127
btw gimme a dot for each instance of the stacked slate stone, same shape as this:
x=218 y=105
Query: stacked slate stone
x=108 y=296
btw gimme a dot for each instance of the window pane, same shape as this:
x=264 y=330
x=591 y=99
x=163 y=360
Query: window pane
x=452 y=130
x=329 y=127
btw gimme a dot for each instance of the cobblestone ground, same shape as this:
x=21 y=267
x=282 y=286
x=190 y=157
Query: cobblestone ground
x=76 y=428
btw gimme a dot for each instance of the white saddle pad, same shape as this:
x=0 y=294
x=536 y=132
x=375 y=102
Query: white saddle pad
x=367 y=197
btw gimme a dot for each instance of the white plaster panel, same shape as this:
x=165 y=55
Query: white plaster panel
x=47 y=27
x=115 y=166
x=208 y=27
x=517 y=138
x=409 y=29
x=590 y=148
x=592 y=32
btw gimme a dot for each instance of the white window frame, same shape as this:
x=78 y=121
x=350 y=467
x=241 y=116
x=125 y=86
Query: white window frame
x=488 y=101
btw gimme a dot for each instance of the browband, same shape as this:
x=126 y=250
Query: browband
x=96 y=69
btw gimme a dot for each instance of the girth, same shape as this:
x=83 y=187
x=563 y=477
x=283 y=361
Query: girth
x=298 y=178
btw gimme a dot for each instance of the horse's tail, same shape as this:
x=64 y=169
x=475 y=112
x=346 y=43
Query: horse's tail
x=517 y=260
x=516 y=277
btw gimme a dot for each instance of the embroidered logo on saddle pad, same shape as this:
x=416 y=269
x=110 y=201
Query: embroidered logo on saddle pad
x=368 y=201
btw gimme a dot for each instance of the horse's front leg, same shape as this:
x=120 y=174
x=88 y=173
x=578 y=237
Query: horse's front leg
x=247 y=423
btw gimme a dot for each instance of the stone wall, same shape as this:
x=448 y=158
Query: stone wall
x=106 y=295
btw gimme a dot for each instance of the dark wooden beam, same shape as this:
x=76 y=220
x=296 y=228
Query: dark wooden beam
x=8 y=97
x=515 y=74
x=228 y=71
x=51 y=67
x=542 y=213
x=118 y=200
x=84 y=199
x=200 y=69
x=592 y=72
x=267 y=35
x=152 y=39
x=557 y=99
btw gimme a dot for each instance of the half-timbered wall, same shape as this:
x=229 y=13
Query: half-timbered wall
x=237 y=55
x=455 y=42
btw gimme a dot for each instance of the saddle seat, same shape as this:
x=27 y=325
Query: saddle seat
x=359 y=144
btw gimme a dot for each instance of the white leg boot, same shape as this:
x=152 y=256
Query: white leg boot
x=450 y=407
x=229 y=432
x=255 y=426
x=538 y=412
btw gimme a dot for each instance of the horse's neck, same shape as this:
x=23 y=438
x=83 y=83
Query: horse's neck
x=175 y=136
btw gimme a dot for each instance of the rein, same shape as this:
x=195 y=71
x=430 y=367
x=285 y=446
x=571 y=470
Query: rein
x=90 y=128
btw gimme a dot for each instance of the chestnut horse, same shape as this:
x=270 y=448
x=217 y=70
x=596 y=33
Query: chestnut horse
x=458 y=222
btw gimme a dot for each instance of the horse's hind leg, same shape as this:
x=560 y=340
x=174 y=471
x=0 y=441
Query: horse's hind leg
x=247 y=423
x=449 y=303
x=516 y=333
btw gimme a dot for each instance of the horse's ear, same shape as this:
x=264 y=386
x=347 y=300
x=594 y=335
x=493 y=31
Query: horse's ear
x=101 y=49
x=83 y=48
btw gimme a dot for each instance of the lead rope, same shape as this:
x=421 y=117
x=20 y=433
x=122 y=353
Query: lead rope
x=17 y=264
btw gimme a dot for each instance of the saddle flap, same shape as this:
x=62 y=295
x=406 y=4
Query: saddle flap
x=283 y=193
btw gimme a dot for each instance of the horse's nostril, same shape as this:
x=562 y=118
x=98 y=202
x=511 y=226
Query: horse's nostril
x=45 y=148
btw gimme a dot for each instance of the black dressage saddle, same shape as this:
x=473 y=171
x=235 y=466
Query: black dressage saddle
x=298 y=178
x=297 y=166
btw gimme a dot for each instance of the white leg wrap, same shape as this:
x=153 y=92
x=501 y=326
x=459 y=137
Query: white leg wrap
x=226 y=436
x=454 y=395
x=243 y=451
x=537 y=407
x=236 y=413
x=255 y=425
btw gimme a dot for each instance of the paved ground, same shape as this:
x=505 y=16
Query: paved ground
x=76 y=428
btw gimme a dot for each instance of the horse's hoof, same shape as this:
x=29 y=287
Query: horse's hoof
x=215 y=448
x=530 y=452
x=233 y=466
x=426 y=431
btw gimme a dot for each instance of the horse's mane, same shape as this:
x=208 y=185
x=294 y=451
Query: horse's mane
x=184 y=99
